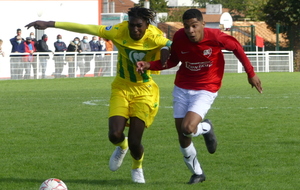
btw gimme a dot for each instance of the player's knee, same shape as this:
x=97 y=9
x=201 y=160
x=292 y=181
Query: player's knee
x=188 y=130
x=115 y=136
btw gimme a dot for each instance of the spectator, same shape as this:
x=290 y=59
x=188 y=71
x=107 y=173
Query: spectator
x=109 y=45
x=59 y=46
x=107 y=58
x=43 y=47
x=32 y=36
x=29 y=59
x=16 y=61
x=1 y=52
x=99 y=69
x=96 y=46
x=74 y=46
x=85 y=59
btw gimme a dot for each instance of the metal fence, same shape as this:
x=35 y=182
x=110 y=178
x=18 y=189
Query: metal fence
x=91 y=64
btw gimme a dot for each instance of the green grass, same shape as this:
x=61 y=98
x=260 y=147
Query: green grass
x=58 y=128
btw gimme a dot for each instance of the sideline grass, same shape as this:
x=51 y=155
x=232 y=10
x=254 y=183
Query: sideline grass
x=58 y=128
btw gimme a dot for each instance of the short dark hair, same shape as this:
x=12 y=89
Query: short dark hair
x=192 y=13
x=44 y=36
x=139 y=12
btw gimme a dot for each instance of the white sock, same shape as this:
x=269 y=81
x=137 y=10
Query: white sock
x=190 y=159
x=202 y=128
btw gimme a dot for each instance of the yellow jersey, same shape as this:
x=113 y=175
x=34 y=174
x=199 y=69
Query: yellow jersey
x=130 y=51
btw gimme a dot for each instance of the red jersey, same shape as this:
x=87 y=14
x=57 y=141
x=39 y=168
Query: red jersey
x=202 y=63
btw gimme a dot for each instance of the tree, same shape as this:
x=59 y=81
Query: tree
x=156 y=5
x=286 y=14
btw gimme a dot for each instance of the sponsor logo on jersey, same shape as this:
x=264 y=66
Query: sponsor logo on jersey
x=198 y=65
x=136 y=56
x=108 y=27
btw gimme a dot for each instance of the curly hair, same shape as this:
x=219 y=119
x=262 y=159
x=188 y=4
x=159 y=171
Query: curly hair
x=192 y=13
x=139 y=12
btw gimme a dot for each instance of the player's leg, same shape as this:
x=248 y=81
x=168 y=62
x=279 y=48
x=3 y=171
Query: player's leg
x=193 y=127
x=117 y=137
x=143 y=109
x=136 y=148
x=181 y=104
x=199 y=103
x=189 y=154
x=118 y=116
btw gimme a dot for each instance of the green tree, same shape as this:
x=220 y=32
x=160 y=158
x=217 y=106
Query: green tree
x=156 y=5
x=286 y=14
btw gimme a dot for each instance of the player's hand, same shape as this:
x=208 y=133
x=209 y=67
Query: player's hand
x=255 y=82
x=164 y=56
x=141 y=66
x=40 y=25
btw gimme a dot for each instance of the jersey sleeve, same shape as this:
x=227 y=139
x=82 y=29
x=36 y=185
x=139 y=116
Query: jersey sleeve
x=172 y=62
x=231 y=44
x=80 y=28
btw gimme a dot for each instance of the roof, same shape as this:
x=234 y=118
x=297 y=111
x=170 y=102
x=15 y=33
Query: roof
x=122 y=6
x=260 y=29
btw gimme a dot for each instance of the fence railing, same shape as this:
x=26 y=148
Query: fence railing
x=267 y=61
x=89 y=64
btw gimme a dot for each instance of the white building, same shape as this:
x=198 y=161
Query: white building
x=16 y=14
x=178 y=3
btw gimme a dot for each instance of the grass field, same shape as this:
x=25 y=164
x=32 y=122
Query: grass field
x=58 y=128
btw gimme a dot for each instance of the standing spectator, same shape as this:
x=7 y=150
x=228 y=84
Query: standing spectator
x=109 y=45
x=29 y=59
x=16 y=61
x=85 y=59
x=99 y=66
x=43 y=47
x=96 y=46
x=60 y=46
x=74 y=46
x=107 y=59
x=34 y=63
x=1 y=52
x=32 y=36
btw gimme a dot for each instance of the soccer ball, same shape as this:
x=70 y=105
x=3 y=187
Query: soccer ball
x=53 y=184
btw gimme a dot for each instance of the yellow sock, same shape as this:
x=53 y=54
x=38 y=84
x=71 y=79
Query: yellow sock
x=123 y=144
x=137 y=163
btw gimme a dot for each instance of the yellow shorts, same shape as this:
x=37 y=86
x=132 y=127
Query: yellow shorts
x=130 y=99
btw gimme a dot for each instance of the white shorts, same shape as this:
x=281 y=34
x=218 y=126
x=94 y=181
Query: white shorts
x=198 y=101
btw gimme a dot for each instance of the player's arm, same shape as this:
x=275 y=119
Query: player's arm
x=74 y=27
x=156 y=65
x=231 y=44
x=165 y=53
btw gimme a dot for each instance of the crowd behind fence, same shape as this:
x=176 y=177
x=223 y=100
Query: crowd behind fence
x=92 y=64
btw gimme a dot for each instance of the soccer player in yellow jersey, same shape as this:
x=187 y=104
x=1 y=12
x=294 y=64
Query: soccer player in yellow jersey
x=134 y=97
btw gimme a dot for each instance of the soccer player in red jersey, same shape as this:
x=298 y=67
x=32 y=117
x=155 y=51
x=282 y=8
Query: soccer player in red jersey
x=197 y=82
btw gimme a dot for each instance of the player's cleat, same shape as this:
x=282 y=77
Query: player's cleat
x=137 y=175
x=210 y=138
x=196 y=179
x=116 y=158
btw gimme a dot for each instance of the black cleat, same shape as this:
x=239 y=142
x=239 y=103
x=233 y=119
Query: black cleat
x=197 y=179
x=210 y=138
